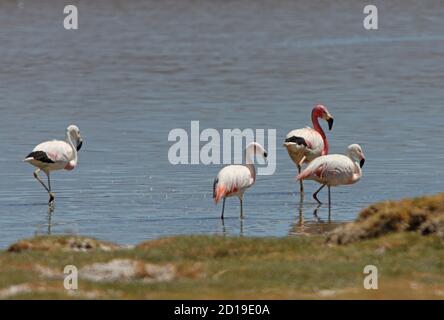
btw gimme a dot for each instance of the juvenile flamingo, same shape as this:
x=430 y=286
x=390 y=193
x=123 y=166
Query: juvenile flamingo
x=335 y=169
x=56 y=155
x=233 y=180
x=306 y=144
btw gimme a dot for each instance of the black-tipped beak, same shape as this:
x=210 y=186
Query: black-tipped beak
x=79 y=145
x=265 y=155
x=330 y=123
x=361 y=164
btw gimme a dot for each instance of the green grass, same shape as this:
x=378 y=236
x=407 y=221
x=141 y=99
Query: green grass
x=410 y=266
x=404 y=239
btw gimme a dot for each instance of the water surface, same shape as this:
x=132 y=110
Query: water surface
x=137 y=69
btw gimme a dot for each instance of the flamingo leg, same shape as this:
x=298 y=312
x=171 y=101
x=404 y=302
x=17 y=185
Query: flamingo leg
x=49 y=182
x=329 y=197
x=36 y=175
x=316 y=193
x=50 y=210
x=315 y=212
x=51 y=195
x=223 y=209
x=241 y=209
x=224 y=230
x=302 y=161
x=301 y=183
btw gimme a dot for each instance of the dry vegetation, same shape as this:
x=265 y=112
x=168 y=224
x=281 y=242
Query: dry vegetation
x=423 y=214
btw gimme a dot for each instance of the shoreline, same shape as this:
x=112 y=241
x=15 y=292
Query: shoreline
x=403 y=239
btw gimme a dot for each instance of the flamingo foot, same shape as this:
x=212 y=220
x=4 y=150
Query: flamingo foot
x=51 y=199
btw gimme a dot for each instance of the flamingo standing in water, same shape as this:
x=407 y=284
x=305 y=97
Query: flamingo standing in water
x=335 y=169
x=306 y=144
x=233 y=180
x=56 y=155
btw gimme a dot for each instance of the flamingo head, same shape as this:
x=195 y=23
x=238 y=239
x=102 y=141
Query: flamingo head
x=321 y=111
x=354 y=152
x=74 y=133
x=256 y=149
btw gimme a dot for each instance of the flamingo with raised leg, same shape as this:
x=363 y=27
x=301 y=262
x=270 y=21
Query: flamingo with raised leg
x=306 y=144
x=56 y=155
x=233 y=180
x=335 y=169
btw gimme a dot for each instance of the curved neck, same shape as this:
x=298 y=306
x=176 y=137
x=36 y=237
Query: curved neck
x=74 y=149
x=318 y=128
x=357 y=171
x=248 y=157
x=250 y=163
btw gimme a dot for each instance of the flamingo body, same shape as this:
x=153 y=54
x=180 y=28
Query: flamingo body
x=332 y=170
x=51 y=156
x=310 y=146
x=232 y=181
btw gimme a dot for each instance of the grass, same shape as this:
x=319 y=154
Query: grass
x=424 y=214
x=410 y=265
x=210 y=267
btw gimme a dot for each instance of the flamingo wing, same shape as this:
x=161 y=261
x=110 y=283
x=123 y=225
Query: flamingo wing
x=56 y=151
x=230 y=180
x=39 y=156
x=330 y=169
x=304 y=142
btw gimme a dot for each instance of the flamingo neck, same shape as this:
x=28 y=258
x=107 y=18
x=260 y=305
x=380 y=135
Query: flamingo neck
x=73 y=161
x=358 y=171
x=318 y=128
x=252 y=171
x=250 y=165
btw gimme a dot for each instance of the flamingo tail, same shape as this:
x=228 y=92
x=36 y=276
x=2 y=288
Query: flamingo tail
x=218 y=191
x=296 y=140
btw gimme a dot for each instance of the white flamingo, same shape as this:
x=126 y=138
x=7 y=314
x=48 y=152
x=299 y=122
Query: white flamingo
x=56 y=155
x=335 y=169
x=306 y=144
x=233 y=180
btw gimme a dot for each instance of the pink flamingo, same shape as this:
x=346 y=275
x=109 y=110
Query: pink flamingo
x=233 y=180
x=335 y=169
x=56 y=155
x=306 y=144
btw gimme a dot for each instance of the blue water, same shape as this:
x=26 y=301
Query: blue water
x=137 y=69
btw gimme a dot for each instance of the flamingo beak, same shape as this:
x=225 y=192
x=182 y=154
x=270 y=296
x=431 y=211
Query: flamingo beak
x=330 y=122
x=361 y=163
x=79 y=145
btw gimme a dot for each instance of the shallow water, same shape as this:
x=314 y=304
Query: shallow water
x=137 y=69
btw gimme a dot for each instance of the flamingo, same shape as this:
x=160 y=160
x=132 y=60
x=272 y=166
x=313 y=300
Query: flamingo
x=306 y=144
x=56 y=155
x=233 y=180
x=335 y=169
